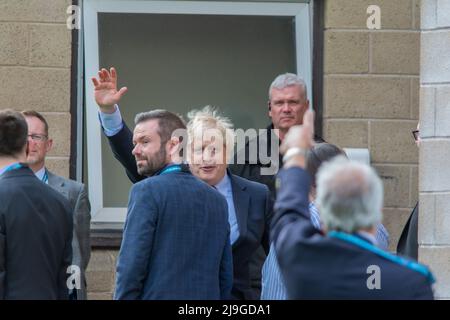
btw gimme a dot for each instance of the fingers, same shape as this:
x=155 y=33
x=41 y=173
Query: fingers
x=95 y=82
x=121 y=92
x=104 y=75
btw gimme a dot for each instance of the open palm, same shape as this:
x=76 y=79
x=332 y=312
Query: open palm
x=105 y=89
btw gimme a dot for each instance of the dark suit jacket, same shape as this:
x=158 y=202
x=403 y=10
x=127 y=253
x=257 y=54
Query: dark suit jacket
x=320 y=267
x=80 y=206
x=407 y=244
x=35 y=238
x=176 y=241
x=253 y=214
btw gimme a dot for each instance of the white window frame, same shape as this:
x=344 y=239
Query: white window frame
x=301 y=12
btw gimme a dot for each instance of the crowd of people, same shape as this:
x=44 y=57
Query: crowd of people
x=200 y=224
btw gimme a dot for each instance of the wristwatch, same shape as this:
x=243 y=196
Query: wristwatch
x=294 y=151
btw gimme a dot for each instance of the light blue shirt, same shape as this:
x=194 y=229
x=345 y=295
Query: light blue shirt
x=111 y=122
x=41 y=175
x=225 y=189
x=272 y=286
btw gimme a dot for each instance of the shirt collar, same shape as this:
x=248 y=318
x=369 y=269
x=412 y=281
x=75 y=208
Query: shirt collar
x=224 y=185
x=368 y=236
x=40 y=173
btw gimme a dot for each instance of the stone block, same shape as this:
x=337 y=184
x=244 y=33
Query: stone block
x=443 y=111
x=101 y=260
x=443 y=13
x=427 y=221
x=416 y=8
x=337 y=56
x=415 y=98
x=414 y=191
x=435 y=60
x=427 y=111
x=428 y=16
x=100 y=281
x=434 y=157
x=100 y=296
x=34 y=10
x=347 y=133
x=396 y=183
x=59 y=131
x=442 y=221
x=438 y=259
x=367 y=97
x=40 y=89
x=353 y=14
x=392 y=142
x=50 y=45
x=13 y=43
x=395 y=52
x=58 y=165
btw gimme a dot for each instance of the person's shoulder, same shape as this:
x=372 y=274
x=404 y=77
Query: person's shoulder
x=69 y=183
x=404 y=266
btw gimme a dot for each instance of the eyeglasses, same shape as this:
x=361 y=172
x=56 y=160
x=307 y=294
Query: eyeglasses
x=38 y=137
x=416 y=134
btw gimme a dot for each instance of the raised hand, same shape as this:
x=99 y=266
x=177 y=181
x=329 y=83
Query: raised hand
x=105 y=90
x=301 y=136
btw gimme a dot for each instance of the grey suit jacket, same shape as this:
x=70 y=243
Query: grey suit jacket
x=76 y=193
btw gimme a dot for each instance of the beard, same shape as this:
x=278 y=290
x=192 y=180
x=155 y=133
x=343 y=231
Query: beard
x=152 y=164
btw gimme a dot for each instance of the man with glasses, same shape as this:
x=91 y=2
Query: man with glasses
x=407 y=244
x=39 y=144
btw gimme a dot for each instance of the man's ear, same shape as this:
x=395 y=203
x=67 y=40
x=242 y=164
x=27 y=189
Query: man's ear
x=173 y=149
x=49 y=145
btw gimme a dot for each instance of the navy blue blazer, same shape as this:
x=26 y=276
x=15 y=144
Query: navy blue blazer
x=253 y=214
x=35 y=238
x=176 y=241
x=321 y=267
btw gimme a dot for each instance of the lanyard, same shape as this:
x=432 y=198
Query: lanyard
x=396 y=259
x=171 y=168
x=13 y=166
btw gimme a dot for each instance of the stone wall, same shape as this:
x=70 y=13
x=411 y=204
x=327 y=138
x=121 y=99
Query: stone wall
x=434 y=213
x=35 y=62
x=371 y=94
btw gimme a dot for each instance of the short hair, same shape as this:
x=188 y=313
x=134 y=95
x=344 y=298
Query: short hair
x=13 y=133
x=210 y=118
x=286 y=80
x=168 y=122
x=318 y=154
x=35 y=114
x=349 y=195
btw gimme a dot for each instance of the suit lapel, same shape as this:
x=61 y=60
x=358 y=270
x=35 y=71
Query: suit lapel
x=241 y=201
x=57 y=183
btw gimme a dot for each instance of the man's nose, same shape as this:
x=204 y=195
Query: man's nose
x=136 y=150
x=286 y=108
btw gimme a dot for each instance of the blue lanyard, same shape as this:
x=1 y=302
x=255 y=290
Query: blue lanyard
x=171 y=168
x=13 y=166
x=370 y=247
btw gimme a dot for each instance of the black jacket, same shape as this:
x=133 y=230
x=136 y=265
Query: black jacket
x=35 y=238
x=408 y=245
x=346 y=266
